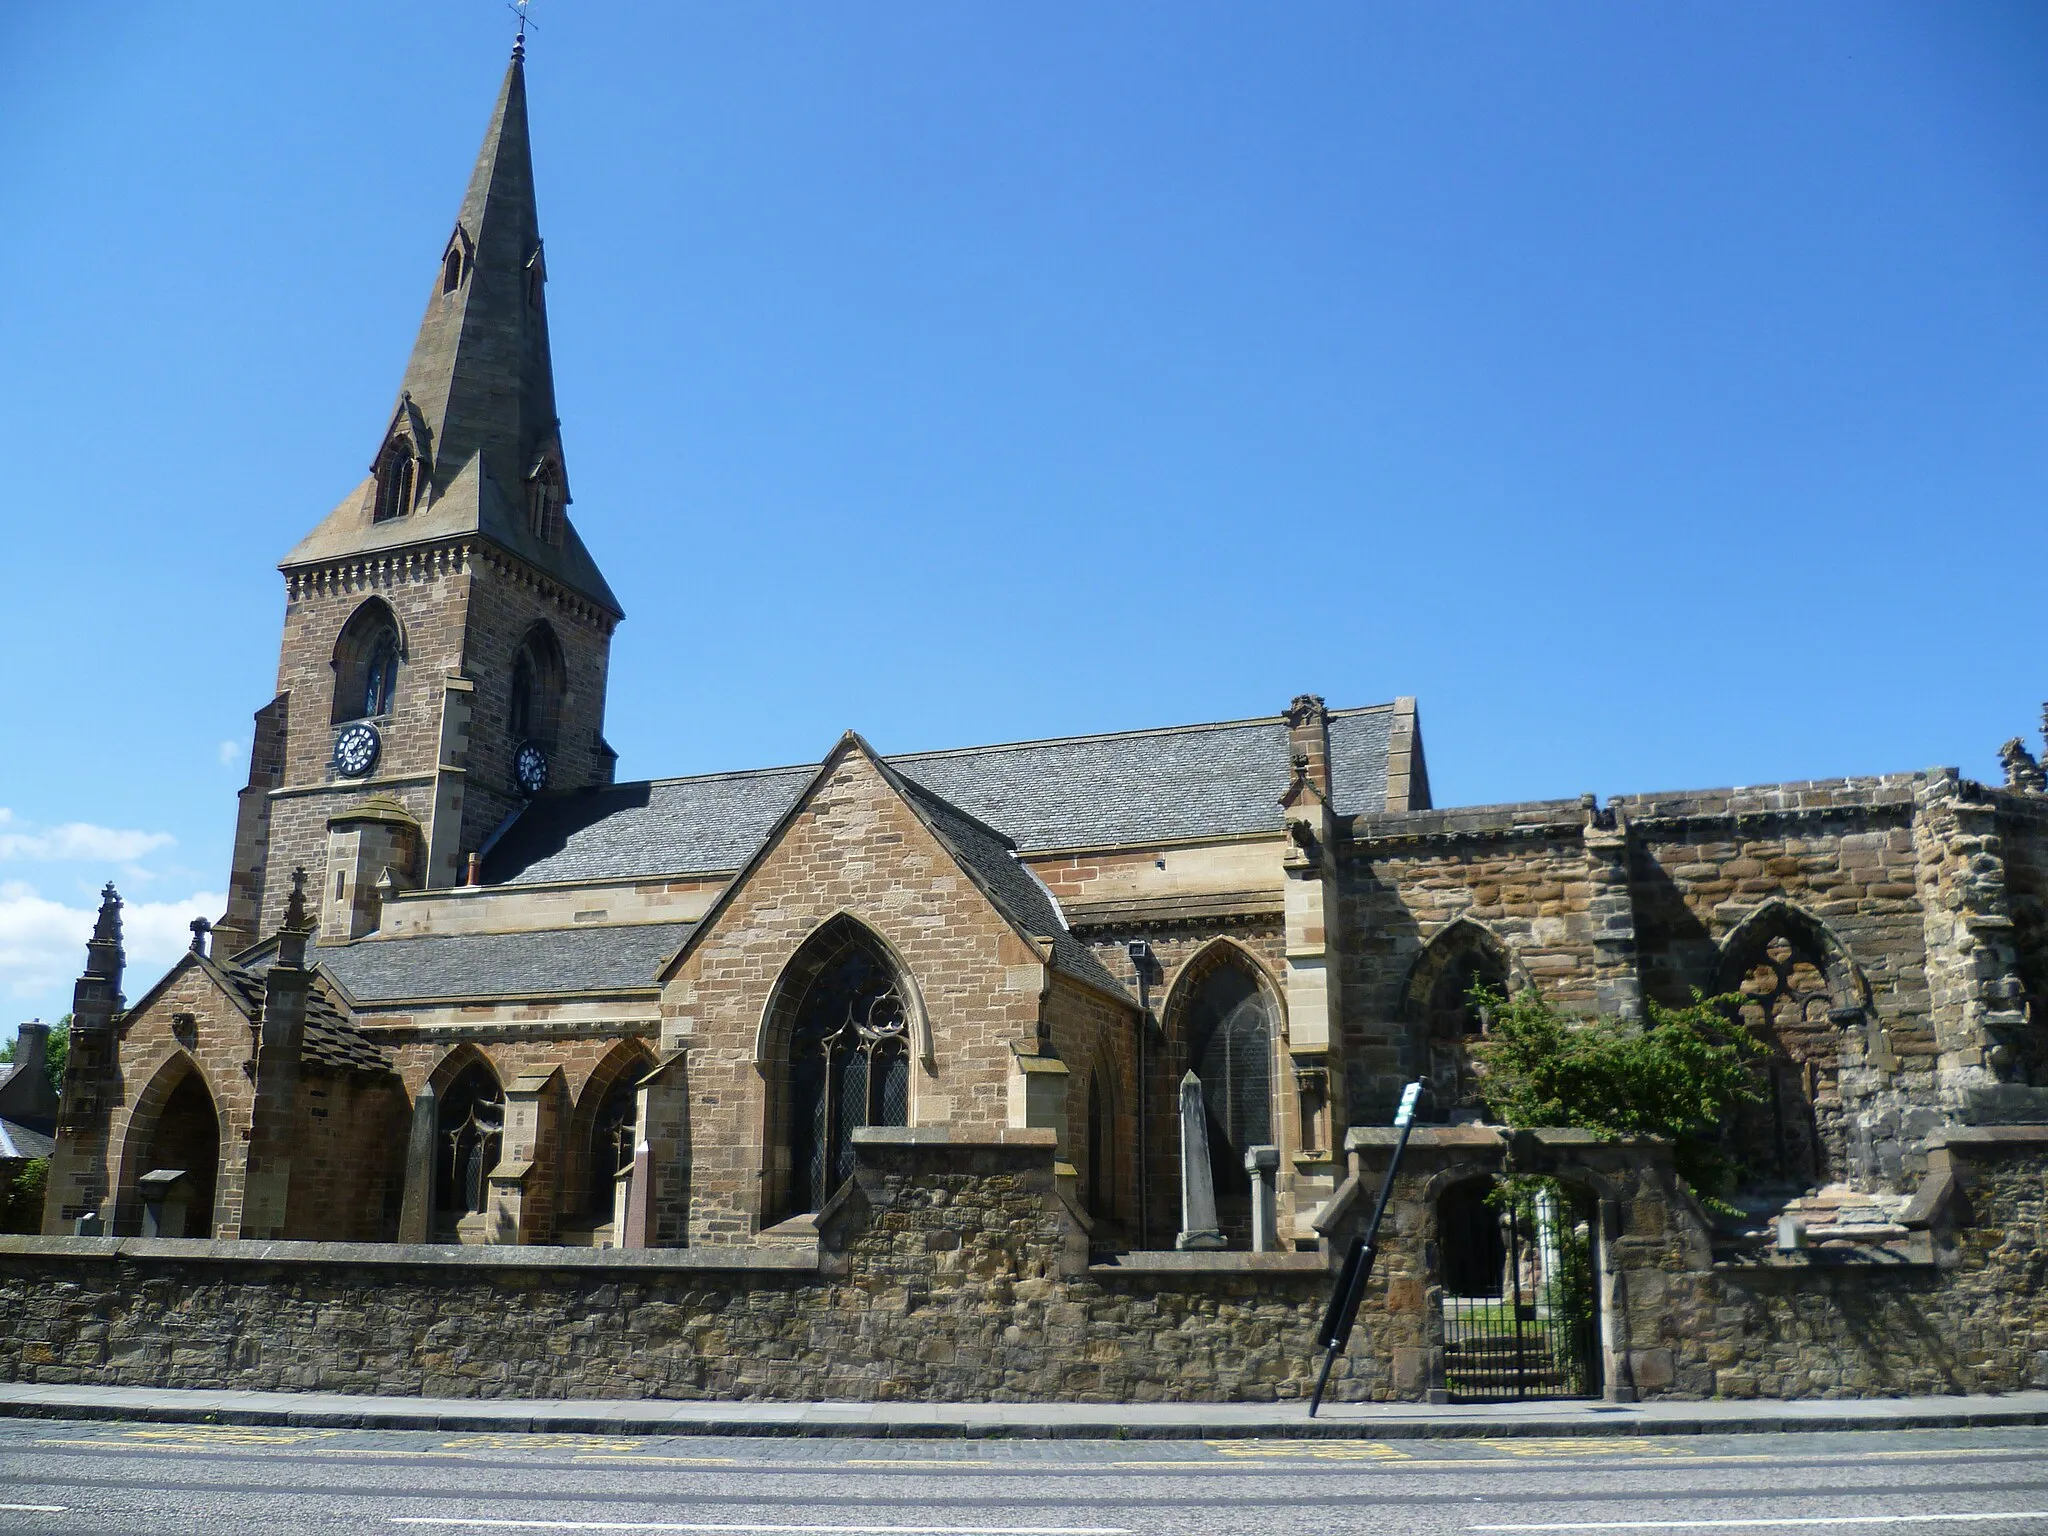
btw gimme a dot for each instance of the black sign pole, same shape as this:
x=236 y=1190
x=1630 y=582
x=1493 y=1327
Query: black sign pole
x=1351 y=1281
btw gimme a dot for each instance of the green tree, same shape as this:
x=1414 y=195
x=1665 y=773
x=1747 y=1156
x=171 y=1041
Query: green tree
x=1679 y=1075
x=21 y=1197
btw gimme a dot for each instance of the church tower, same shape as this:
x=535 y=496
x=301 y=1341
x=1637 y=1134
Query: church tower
x=446 y=633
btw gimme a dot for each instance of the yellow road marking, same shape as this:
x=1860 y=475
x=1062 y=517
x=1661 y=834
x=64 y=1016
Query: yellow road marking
x=514 y=1442
x=695 y=1461
x=213 y=1434
x=1313 y=1450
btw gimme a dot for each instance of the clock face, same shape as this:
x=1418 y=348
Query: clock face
x=530 y=766
x=356 y=749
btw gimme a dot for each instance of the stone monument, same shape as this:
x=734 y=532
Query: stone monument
x=1198 y=1228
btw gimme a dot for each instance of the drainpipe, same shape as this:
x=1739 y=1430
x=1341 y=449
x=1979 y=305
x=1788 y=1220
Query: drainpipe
x=1147 y=967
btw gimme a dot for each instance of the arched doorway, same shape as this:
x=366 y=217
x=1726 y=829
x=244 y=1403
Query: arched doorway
x=1518 y=1266
x=844 y=1063
x=177 y=1129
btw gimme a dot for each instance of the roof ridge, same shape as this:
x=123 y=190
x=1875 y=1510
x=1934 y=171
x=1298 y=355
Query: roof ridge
x=991 y=746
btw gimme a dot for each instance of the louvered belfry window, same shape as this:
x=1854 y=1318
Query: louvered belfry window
x=1230 y=1046
x=849 y=1066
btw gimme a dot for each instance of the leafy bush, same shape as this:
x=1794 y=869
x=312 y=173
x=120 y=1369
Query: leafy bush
x=1680 y=1075
x=21 y=1199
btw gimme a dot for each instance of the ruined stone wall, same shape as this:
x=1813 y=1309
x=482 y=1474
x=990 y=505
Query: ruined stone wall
x=1520 y=872
x=1973 y=1320
x=2025 y=835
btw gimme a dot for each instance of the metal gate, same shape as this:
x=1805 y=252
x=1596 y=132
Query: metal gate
x=1527 y=1323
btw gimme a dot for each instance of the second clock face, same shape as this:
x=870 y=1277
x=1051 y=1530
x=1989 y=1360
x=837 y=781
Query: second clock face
x=530 y=767
x=356 y=749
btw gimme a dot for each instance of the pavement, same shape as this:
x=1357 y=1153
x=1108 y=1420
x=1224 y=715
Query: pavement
x=1023 y=1421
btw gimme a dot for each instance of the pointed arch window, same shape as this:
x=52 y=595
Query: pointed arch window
x=546 y=496
x=451 y=268
x=847 y=1065
x=471 y=1122
x=612 y=1133
x=533 y=707
x=367 y=659
x=1449 y=1021
x=1230 y=1048
x=1791 y=980
x=397 y=479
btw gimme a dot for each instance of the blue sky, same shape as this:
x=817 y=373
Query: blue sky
x=1657 y=393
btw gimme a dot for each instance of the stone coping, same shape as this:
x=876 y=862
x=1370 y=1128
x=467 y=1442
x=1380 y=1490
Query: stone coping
x=966 y=1139
x=779 y=1258
x=1223 y=1263
x=1990 y=1136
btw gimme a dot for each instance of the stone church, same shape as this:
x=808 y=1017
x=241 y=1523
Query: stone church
x=469 y=989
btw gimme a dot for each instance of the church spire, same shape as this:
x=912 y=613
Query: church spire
x=480 y=376
x=473 y=443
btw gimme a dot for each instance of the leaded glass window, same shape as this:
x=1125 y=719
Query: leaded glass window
x=1230 y=1047
x=849 y=1066
x=472 y=1126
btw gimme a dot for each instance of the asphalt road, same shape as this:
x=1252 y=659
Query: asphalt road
x=105 y=1479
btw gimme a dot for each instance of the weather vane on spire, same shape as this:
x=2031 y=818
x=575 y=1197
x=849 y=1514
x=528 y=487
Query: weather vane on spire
x=518 y=8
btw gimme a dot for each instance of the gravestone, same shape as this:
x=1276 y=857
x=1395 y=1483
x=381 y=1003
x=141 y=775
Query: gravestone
x=416 y=1216
x=1198 y=1226
x=163 y=1192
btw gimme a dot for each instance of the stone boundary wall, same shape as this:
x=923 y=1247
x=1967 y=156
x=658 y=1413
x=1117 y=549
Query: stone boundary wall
x=954 y=1270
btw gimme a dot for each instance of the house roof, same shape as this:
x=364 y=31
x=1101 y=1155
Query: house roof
x=18 y=1141
x=1181 y=783
x=552 y=960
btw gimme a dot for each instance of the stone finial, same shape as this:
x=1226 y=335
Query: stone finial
x=295 y=917
x=2022 y=773
x=200 y=929
x=103 y=955
x=108 y=929
x=297 y=926
x=1306 y=707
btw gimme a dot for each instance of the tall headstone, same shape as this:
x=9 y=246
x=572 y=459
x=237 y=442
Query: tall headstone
x=416 y=1216
x=1198 y=1227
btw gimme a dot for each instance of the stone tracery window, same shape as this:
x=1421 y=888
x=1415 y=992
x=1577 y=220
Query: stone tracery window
x=1786 y=1002
x=471 y=1126
x=848 y=1065
x=612 y=1139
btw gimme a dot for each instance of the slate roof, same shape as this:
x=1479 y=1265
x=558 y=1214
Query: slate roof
x=1081 y=791
x=990 y=857
x=329 y=1040
x=502 y=964
x=19 y=1141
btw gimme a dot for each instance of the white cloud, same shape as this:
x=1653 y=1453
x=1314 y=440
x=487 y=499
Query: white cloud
x=76 y=840
x=42 y=942
x=230 y=752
